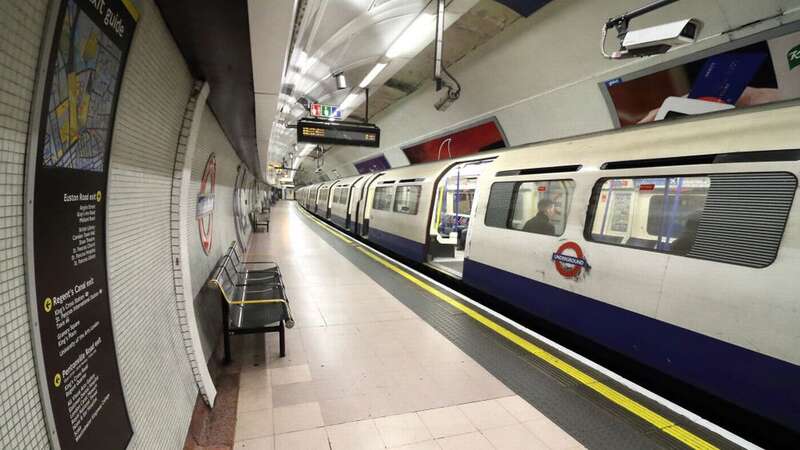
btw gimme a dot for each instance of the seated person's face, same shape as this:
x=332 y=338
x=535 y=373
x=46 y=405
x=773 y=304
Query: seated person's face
x=550 y=212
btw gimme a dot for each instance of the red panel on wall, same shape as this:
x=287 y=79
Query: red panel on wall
x=482 y=137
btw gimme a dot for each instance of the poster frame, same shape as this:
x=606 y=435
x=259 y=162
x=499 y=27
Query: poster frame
x=461 y=127
x=689 y=58
x=36 y=120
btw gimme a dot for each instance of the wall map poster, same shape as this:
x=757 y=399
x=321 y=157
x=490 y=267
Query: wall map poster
x=86 y=63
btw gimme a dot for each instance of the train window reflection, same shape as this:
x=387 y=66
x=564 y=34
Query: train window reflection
x=383 y=198
x=406 y=199
x=651 y=213
x=736 y=218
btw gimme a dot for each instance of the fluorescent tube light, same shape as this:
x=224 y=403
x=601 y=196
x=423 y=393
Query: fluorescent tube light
x=348 y=102
x=371 y=75
x=417 y=34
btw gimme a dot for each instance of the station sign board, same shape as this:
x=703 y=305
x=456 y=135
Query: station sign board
x=325 y=111
x=338 y=133
x=66 y=209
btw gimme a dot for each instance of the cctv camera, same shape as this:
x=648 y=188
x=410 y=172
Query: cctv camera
x=451 y=96
x=660 y=38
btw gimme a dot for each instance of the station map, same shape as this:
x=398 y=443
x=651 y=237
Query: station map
x=85 y=73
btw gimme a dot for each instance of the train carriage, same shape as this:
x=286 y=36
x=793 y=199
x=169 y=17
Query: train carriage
x=646 y=242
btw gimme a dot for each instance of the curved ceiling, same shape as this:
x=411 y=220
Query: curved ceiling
x=295 y=47
x=348 y=36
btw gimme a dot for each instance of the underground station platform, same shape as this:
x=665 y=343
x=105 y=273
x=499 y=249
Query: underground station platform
x=382 y=356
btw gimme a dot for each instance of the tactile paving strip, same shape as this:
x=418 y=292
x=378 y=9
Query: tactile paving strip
x=591 y=419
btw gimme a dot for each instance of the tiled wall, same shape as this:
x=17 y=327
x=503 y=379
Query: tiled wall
x=156 y=375
x=21 y=420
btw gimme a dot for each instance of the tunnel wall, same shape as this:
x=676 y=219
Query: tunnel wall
x=155 y=358
x=156 y=375
x=21 y=419
x=540 y=77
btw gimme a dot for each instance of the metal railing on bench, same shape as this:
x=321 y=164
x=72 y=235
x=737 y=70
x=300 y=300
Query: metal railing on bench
x=253 y=298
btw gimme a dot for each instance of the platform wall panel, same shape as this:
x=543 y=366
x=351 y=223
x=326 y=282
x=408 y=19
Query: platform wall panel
x=159 y=386
x=21 y=419
x=211 y=139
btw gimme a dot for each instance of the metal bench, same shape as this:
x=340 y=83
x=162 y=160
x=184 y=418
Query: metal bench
x=260 y=220
x=253 y=301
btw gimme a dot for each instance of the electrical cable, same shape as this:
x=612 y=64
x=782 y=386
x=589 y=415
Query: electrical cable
x=452 y=94
x=603 y=42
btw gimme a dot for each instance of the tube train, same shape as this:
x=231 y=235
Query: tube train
x=676 y=245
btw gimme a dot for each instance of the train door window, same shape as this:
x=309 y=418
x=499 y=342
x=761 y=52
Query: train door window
x=339 y=197
x=733 y=218
x=406 y=199
x=382 y=200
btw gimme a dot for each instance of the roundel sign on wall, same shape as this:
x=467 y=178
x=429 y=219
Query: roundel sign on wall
x=205 y=203
x=570 y=261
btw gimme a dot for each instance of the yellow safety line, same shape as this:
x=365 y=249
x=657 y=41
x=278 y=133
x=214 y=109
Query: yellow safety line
x=643 y=412
x=131 y=9
x=253 y=302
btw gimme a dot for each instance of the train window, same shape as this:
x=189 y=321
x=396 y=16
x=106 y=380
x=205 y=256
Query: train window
x=340 y=196
x=539 y=207
x=499 y=206
x=406 y=199
x=733 y=218
x=383 y=198
x=650 y=213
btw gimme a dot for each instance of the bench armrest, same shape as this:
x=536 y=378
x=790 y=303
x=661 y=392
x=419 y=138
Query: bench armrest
x=259 y=262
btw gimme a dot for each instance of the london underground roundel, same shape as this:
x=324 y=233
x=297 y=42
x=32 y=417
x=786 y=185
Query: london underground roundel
x=570 y=261
x=205 y=203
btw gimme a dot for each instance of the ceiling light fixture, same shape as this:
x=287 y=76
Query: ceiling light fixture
x=348 y=102
x=372 y=74
x=417 y=34
x=341 y=81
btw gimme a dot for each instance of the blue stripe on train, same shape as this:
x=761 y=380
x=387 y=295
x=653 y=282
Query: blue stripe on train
x=337 y=220
x=759 y=383
x=400 y=245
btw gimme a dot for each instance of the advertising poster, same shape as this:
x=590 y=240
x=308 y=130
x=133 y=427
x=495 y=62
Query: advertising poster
x=377 y=164
x=757 y=74
x=85 y=68
x=483 y=137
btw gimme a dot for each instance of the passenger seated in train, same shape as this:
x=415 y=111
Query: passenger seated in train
x=541 y=221
x=683 y=243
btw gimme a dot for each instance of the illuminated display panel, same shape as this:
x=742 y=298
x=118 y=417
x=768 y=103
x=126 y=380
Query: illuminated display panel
x=321 y=132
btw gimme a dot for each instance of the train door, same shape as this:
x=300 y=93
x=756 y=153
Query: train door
x=453 y=209
x=329 y=200
x=312 y=198
x=350 y=192
x=364 y=205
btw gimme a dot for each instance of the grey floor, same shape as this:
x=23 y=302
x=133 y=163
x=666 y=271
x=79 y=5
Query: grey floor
x=375 y=362
x=363 y=371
